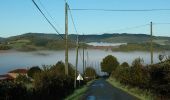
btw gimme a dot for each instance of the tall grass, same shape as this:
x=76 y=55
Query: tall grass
x=138 y=93
x=78 y=93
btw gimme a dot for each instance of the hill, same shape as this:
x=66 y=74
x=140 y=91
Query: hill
x=135 y=38
x=37 y=41
x=1 y=39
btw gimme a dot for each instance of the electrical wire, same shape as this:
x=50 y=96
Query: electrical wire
x=74 y=25
x=47 y=19
x=123 y=10
x=161 y=23
x=134 y=27
x=48 y=13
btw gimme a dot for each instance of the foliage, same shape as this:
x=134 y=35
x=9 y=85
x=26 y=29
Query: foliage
x=109 y=64
x=141 y=47
x=4 y=47
x=160 y=78
x=78 y=93
x=139 y=74
x=59 y=68
x=33 y=70
x=140 y=94
x=52 y=80
x=90 y=73
x=12 y=91
x=125 y=65
x=154 y=78
x=49 y=84
x=22 y=79
x=122 y=73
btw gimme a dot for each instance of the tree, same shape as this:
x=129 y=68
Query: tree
x=33 y=70
x=109 y=64
x=122 y=73
x=90 y=73
x=160 y=78
x=59 y=68
x=22 y=79
x=51 y=83
x=139 y=74
x=125 y=65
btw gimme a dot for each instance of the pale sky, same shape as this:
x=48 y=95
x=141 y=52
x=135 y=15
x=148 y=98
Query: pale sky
x=21 y=16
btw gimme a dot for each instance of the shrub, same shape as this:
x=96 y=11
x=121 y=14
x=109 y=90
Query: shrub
x=160 y=78
x=33 y=70
x=109 y=64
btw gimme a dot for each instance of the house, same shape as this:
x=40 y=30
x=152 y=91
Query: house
x=12 y=75
x=6 y=77
x=15 y=73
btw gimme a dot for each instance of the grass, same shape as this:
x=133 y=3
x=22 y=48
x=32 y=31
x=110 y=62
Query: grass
x=78 y=93
x=138 y=93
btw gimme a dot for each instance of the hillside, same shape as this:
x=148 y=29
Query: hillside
x=136 y=38
x=37 y=41
x=1 y=39
x=107 y=37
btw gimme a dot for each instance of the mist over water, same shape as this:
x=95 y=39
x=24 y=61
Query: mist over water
x=13 y=59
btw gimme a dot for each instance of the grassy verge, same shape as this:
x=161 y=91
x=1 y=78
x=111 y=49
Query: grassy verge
x=78 y=93
x=138 y=93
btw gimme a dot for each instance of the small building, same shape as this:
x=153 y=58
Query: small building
x=6 y=77
x=15 y=73
x=12 y=75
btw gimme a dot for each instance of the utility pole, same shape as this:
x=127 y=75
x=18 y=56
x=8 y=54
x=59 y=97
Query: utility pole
x=151 y=43
x=84 y=66
x=76 y=62
x=83 y=59
x=66 y=38
x=87 y=62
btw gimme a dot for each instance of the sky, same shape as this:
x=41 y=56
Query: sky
x=21 y=16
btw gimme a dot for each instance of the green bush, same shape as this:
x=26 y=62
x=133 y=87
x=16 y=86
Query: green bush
x=109 y=64
x=52 y=83
x=90 y=73
x=4 y=47
x=33 y=70
x=12 y=91
x=160 y=78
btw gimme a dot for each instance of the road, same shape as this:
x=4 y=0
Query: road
x=102 y=90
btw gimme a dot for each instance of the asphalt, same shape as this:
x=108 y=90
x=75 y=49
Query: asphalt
x=102 y=90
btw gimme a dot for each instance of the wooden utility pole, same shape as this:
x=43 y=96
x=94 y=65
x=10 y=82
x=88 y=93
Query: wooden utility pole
x=87 y=62
x=76 y=62
x=151 y=43
x=66 y=38
x=83 y=59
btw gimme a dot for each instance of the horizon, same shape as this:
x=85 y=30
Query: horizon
x=85 y=34
x=19 y=17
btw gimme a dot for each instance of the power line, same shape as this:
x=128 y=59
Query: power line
x=73 y=21
x=123 y=10
x=161 y=23
x=134 y=27
x=47 y=19
x=48 y=13
x=74 y=25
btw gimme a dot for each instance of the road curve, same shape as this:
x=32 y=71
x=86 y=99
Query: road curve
x=102 y=90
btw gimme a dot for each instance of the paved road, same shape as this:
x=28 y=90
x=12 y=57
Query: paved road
x=102 y=90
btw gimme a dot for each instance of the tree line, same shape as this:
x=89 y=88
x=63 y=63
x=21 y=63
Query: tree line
x=46 y=83
x=154 y=78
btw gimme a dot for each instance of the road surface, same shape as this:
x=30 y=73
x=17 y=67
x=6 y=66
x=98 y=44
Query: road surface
x=102 y=90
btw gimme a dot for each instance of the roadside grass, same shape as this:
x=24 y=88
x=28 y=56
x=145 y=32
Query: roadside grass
x=138 y=93
x=78 y=93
